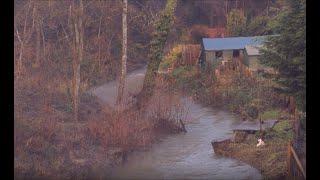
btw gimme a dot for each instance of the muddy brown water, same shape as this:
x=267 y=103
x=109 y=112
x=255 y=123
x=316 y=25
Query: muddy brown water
x=185 y=155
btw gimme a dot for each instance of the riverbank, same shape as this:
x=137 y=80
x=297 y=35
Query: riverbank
x=270 y=159
x=50 y=144
x=189 y=155
x=249 y=96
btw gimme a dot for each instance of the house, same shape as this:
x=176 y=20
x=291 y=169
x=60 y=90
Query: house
x=218 y=49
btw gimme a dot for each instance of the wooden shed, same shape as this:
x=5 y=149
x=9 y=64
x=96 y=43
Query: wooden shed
x=215 y=50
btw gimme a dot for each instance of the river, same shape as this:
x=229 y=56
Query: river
x=185 y=155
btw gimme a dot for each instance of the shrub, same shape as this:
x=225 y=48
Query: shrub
x=166 y=111
x=252 y=111
x=186 y=78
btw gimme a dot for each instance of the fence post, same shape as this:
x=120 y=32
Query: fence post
x=289 y=160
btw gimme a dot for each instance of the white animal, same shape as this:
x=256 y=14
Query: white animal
x=261 y=143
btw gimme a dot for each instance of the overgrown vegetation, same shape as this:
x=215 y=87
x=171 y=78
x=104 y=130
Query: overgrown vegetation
x=52 y=145
x=247 y=96
x=48 y=143
x=163 y=27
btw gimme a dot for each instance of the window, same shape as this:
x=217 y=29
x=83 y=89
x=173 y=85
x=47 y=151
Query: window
x=219 y=54
x=236 y=53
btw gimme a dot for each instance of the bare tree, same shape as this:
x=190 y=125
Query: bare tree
x=38 y=36
x=24 y=38
x=124 y=54
x=78 y=47
x=99 y=48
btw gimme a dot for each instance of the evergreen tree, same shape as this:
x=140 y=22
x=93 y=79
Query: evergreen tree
x=287 y=53
x=259 y=26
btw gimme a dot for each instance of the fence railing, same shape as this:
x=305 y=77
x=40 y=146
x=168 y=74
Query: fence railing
x=295 y=168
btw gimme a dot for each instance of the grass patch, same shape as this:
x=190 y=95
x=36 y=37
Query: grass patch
x=270 y=114
x=269 y=159
x=282 y=126
x=282 y=131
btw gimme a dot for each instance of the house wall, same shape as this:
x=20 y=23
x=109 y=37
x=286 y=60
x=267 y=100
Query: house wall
x=210 y=56
x=253 y=62
x=227 y=54
x=254 y=65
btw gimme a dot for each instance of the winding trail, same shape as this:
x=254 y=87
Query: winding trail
x=186 y=155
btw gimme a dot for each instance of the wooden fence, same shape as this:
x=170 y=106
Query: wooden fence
x=295 y=168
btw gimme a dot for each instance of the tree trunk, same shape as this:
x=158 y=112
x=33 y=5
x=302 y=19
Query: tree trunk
x=268 y=7
x=76 y=74
x=38 y=40
x=99 y=48
x=23 y=39
x=124 y=55
x=77 y=60
x=20 y=66
x=226 y=8
x=43 y=43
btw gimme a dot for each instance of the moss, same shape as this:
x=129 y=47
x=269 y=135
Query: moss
x=284 y=130
x=270 y=114
x=282 y=126
x=172 y=57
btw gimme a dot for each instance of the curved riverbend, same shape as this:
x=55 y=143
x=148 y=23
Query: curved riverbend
x=185 y=155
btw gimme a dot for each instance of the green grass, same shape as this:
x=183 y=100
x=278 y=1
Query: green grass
x=282 y=126
x=270 y=114
x=282 y=131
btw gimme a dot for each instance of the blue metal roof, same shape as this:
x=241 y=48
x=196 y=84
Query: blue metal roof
x=231 y=43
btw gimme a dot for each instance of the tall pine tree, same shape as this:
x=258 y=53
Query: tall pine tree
x=287 y=53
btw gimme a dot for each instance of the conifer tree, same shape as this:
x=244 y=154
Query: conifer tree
x=287 y=53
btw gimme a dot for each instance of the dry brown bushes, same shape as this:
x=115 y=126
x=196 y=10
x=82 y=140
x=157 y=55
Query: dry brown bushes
x=138 y=128
x=166 y=111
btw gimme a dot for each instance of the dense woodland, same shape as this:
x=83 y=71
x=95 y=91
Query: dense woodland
x=62 y=49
